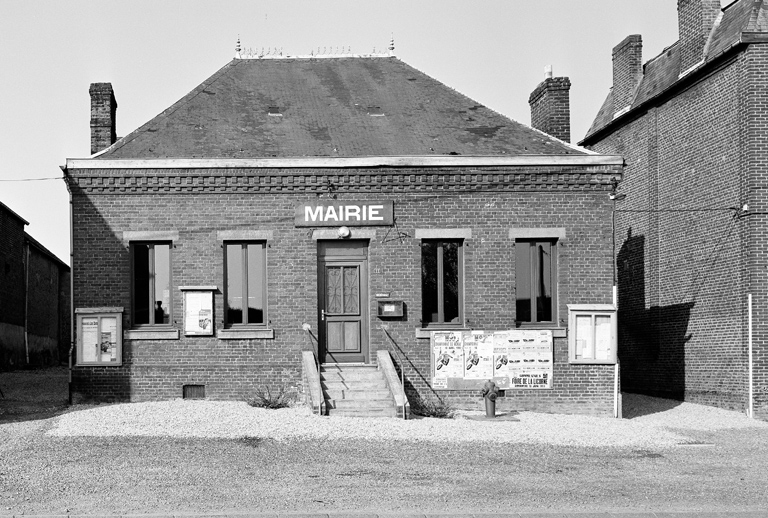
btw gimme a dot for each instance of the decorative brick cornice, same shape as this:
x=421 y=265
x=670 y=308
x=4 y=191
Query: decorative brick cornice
x=298 y=181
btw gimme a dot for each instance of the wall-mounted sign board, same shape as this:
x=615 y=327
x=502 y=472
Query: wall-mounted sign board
x=334 y=213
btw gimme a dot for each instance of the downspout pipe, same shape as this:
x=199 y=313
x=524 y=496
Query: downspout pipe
x=71 y=283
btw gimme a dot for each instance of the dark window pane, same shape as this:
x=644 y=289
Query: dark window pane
x=234 y=284
x=544 y=288
x=451 y=282
x=162 y=286
x=141 y=287
x=523 y=281
x=429 y=296
x=535 y=279
x=255 y=284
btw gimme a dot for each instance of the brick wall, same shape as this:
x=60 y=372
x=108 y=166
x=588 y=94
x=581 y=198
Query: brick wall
x=695 y=19
x=489 y=202
x=681 y=266
x=44 y=309
x=627 y=70
x=11 y=291
x=754 y=157
x=11 y=269
x=551 y=107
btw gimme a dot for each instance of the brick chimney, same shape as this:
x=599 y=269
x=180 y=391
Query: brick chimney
x=627 y=71
x=103 y=110
x=551 y=106
x=695 y=19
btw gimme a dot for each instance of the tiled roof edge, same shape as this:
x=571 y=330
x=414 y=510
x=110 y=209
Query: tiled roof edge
x=45 y=251
x=591 y=159
x=168 y=111
x=711 y=65
x=576 y=148
x=12 y=213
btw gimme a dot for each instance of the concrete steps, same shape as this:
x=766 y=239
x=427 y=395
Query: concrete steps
x=356 y=390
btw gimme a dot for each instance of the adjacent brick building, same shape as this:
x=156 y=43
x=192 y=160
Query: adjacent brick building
x=34 y=299
x=692 y=124
x=299 y=198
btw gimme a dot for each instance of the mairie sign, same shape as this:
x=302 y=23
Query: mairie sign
x=333 y=213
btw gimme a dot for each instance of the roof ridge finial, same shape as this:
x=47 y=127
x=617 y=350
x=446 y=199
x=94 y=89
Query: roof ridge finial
x=392 y=45
x=238 y=48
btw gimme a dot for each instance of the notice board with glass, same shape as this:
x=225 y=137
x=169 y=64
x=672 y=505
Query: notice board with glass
x=99 y=336
x=592 y=335
x=198 y=310
x=513 y=359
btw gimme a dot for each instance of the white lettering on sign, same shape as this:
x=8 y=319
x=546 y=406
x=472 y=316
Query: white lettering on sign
x=309 y=215
x=344 y=213
x=373 y=212
x=352 y=211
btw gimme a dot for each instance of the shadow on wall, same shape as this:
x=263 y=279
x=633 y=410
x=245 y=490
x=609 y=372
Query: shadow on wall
x=651 y=340
x=101 y=275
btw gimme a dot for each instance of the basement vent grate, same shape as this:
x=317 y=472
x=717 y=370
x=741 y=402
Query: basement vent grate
x=193 y=391
x=375 y=111
x=274 y=111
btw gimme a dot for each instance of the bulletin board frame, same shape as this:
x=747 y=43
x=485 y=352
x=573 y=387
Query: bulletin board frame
x=198 y=316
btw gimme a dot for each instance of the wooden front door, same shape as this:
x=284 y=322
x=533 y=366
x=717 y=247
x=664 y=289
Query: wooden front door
x=343 y=301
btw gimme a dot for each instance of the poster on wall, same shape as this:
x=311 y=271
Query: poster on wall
x=448 y=357
x=514 y=359
x=198 y=313
x=90 y=341
x=478 y=355
x=108 y=343
x=533 y=360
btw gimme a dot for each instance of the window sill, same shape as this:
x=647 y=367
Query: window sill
x=99 y=364
x=423 y=332
x=245 y=334
x=152 y=334
x=592 y=362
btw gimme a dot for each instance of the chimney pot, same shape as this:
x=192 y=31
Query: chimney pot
x=103 y=114
x=551 y=107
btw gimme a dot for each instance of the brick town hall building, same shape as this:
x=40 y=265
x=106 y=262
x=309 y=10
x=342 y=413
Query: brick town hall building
x=297 y=221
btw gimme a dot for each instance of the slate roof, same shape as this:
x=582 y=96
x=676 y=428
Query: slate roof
x=346 y=107
x=661 y=72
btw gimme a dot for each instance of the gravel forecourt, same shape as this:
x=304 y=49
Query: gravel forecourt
x=213 y=456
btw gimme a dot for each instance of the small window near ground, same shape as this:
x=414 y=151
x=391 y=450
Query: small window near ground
x=536 y=281
x=441 y=282
x=246 y=284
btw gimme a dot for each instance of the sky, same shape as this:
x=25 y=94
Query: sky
x=154 y=52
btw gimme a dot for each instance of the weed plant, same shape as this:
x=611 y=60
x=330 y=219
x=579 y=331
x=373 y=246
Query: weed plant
x=265 y=398
x=432 y=408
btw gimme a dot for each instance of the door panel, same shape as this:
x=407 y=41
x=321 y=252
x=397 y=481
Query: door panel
x=342 y=300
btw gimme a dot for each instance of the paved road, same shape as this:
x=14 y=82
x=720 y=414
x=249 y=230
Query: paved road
x=722 y=514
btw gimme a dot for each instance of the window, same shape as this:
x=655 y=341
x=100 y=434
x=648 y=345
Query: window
x=99 y=336
x=246 y=283
x=151 y=267
x=441 y=282
x=536 y=281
